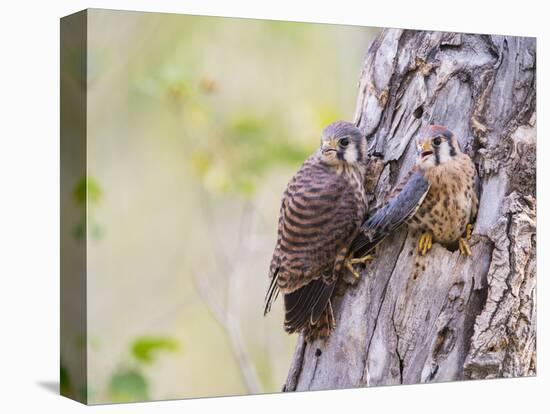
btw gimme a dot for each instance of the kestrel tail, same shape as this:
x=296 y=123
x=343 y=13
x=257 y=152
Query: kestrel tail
x=439 y=198
x=321 y=212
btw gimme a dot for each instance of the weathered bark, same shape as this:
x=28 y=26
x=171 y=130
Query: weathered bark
x=443 y=317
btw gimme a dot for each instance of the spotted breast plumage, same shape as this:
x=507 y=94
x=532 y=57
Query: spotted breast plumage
x=321 y=212
x=438 y=198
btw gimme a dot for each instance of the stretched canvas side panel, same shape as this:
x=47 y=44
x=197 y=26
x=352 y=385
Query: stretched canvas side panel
x=74 y=194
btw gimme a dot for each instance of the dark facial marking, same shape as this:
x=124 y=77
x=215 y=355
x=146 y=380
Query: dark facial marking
x=359 y=152
x=452 y=151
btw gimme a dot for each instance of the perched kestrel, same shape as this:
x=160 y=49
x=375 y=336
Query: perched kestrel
x=321 y=212
x=438 y=197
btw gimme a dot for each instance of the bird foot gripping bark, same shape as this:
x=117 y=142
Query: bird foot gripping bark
x=361 y=260
x=425 y=243
x=463 y=244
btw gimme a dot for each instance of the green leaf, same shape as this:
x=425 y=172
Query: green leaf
x=87 y=189
x=96 y=231
x=146 y=348
x=79 y=230
x=128 y=385
x=64 y=381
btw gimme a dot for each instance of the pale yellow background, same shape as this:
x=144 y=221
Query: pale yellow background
x=195 y=124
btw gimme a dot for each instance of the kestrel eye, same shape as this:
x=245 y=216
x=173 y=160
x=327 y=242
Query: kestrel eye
x=344 y=142
x=437 y=141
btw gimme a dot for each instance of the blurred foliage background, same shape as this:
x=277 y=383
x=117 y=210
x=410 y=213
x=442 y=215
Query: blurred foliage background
x=195 y=124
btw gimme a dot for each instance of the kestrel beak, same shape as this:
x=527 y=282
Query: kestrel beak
x=331 y=145
x=426 y=149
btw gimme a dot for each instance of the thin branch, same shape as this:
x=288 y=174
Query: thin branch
x=231 y=326
x=226 y=315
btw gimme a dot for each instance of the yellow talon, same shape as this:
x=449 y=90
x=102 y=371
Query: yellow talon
x=469 y=229
x=352 y=270
x=351 y=261
x=362 y=260
x=424 y=243
x=464 y=246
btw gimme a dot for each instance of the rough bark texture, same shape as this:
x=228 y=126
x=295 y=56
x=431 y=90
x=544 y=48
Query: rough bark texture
x=443 y=317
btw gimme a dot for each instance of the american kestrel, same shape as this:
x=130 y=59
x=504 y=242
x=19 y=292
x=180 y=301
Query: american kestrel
x=438 y=197
x=321 y=212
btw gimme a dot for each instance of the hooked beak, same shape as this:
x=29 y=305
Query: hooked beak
x=426 y=150
x=331 y=145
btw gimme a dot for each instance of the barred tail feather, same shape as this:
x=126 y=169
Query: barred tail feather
x=272 y=292
x=305 y=305
x=323 y=327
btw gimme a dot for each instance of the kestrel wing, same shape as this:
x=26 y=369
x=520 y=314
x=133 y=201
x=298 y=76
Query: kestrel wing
x=272 y=292
x=307 y=304
x=396 y=212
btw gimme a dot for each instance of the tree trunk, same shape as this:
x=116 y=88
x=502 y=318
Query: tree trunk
x=443 y=317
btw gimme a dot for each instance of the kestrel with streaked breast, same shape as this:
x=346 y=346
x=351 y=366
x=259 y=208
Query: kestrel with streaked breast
x=321 y=213
x=439 y=197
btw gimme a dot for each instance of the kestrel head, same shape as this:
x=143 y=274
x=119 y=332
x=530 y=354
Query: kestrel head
x=436 y=145
x=342 y=142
